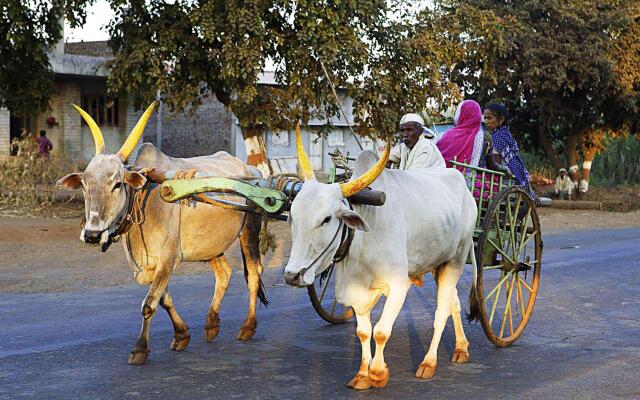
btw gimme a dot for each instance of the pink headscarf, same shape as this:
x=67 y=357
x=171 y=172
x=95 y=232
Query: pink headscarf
x=457 y=142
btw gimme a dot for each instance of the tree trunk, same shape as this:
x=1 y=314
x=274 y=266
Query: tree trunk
x=548 y=148
x=590 y=150
x=256 y=150
x=571 y=151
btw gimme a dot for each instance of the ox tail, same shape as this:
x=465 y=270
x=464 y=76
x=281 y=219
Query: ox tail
x=262 y=293
x=474 y=306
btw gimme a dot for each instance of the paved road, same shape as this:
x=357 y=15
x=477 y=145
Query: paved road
x=582 y=342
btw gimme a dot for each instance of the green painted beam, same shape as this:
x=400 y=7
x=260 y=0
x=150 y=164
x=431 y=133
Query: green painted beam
x=271 y=200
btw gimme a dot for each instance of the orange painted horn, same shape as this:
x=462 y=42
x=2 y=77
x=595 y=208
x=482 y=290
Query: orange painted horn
x=353 y=187
x=303 y=160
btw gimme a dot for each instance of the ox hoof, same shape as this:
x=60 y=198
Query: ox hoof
x=138 y=357
x=426 y=371
x=460 y=356
x=360 y=382
x=180 y=342
x=247 y=330
x=379 y=379
x=211 y=333
x=246 y=333
x=212 y=327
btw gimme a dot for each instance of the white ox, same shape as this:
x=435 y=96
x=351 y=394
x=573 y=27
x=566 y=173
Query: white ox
x=426 y=225
x=158 y=236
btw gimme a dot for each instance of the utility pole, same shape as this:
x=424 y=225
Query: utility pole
x=159 y=121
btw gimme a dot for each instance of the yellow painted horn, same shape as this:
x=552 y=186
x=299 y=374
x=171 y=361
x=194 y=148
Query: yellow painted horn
x=303 y=160
x=353 y=187
x=136 y=134
x=93 y=127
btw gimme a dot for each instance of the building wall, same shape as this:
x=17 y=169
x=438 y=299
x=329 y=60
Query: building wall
x=5 y=134
x=185 y=135
x=71 y=141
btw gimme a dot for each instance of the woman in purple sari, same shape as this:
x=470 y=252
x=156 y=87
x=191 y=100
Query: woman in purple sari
x=505 y=146
x=463 y=143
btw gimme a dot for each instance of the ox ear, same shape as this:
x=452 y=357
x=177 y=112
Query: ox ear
x=135 y=179
x=71 y=181
x=353 y=220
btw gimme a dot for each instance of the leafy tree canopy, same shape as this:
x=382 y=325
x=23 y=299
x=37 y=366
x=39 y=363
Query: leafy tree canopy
x=560 y=65
x=189 y=49
x=28 y=28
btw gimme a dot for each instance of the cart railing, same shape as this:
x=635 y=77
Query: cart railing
x=484 y=184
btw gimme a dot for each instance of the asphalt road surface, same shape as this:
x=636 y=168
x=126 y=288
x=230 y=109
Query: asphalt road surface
x=583 y=340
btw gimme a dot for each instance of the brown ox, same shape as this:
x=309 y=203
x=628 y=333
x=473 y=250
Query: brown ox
x=158 y=236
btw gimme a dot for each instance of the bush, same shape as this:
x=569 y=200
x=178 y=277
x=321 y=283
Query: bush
x=618 y=164
x=27 y=180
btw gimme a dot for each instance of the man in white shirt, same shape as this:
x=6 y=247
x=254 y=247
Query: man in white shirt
x=415 y=151
x=564 y=185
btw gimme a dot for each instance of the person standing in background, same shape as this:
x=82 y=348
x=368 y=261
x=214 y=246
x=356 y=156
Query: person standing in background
x=44 y=144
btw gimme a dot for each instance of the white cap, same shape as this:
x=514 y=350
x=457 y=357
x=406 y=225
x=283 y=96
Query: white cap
x=411 y=118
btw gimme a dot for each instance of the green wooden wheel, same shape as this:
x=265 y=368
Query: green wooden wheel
x=323 y=299
x=508 y=281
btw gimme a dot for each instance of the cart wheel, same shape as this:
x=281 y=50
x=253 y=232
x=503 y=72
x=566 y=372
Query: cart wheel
x=509 y=257
x=323 y=299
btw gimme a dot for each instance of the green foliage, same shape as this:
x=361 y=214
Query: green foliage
x=618 y=163
x=188 y=50
x=561 y=66
x=28 y=29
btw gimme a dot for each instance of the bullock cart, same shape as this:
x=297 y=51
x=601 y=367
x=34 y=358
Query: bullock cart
x=507 y=238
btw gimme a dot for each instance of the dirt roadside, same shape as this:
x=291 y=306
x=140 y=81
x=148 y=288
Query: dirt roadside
x=45 y=255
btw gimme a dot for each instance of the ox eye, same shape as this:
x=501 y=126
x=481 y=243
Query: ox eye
x=326 y=220
x=118 y=185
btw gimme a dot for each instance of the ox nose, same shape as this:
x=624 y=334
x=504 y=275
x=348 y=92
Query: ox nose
x=292 y=278
x=92 y=236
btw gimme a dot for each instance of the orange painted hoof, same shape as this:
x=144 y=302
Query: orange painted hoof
x=426 y=371
x=379 y=379
x=360 y=382
x=460 y=356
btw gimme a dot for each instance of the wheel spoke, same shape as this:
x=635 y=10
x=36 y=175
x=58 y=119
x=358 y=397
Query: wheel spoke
x=512 y=227
x=495 y=300
x=523 y=232
x=507 y=307
x=519 y=289
x=508 y=222
x=500 y=250
x=525 y=284
x=513 y=282
x=498 y=229
x=488 y=267
x=522 y=245
x=503 y=277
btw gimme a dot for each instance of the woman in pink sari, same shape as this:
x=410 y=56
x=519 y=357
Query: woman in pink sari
x=463 y=143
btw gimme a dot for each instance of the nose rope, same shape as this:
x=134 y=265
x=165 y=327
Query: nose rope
x=304 y=270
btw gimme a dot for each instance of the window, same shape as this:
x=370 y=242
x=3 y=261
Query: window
x=280 y=138
x=105 y=113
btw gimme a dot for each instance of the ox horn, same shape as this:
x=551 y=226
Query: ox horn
x=305 y=165
x=136 y=133
x=93 y=127
x=364 y=180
